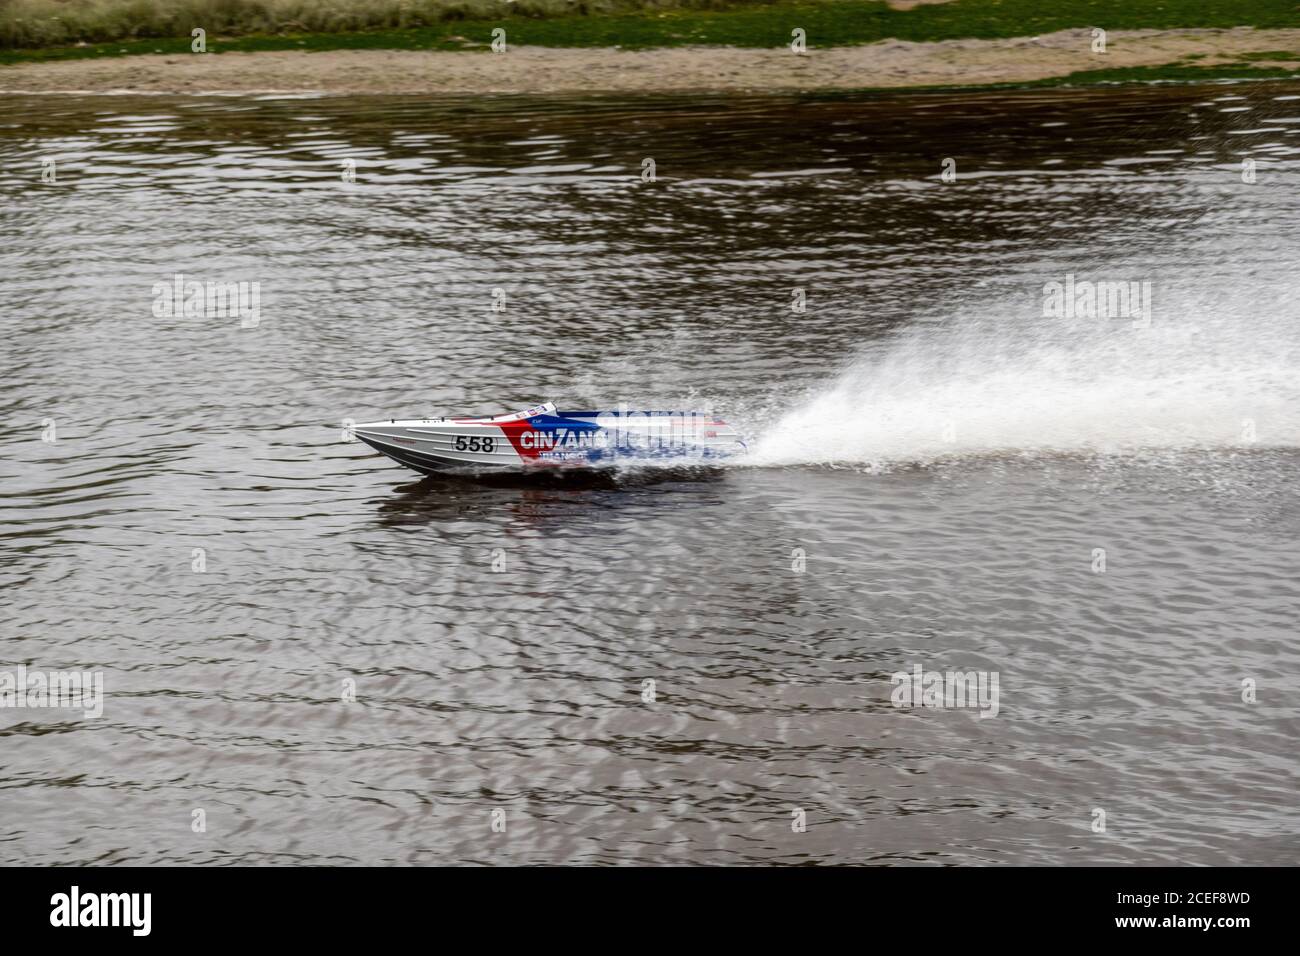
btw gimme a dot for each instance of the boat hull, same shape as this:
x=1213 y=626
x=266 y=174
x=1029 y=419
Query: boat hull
x=544 y=438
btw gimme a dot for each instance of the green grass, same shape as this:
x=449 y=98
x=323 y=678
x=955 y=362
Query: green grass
x=741 y=24
x=1269 y=55
x=1172 y=73
x=1136 y=74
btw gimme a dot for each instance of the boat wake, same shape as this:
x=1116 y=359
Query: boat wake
x=981 y=385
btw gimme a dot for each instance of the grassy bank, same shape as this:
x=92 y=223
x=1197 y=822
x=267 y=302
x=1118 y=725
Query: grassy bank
x=43 y=23
x=45 y=29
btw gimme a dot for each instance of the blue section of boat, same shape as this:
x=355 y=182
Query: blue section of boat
x=544 y=422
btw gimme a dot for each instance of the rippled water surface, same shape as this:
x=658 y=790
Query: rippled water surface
x=936 y=473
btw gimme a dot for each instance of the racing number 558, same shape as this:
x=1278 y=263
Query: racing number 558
x=474 y=443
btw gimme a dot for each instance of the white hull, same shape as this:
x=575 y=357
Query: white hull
x=542 y=437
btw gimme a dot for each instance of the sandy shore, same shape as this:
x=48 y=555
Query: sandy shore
x=890 y=63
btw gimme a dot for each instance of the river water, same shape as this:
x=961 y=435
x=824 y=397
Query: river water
x=1099 y=513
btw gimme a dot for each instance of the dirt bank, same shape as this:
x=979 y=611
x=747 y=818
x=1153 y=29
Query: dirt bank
x=890 y=63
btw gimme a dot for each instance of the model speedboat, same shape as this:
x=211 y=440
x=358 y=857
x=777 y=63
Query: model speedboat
x=543 y=437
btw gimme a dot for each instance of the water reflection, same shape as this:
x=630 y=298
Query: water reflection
x=545 y=501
